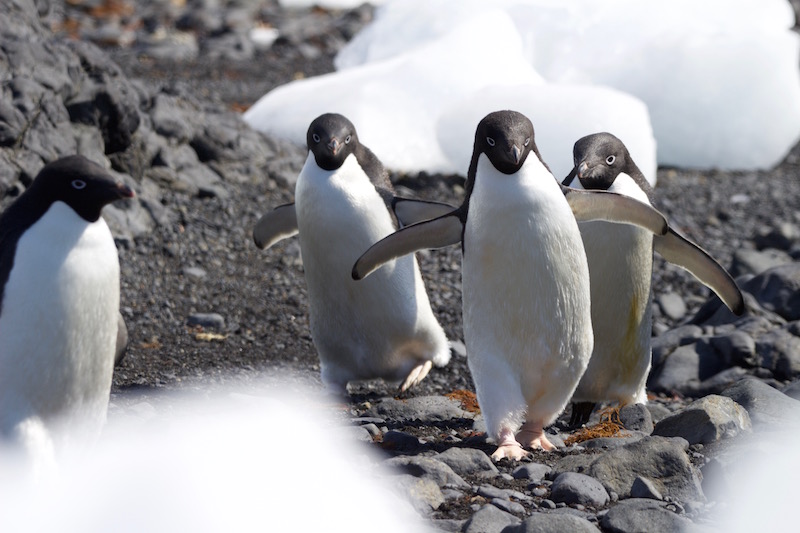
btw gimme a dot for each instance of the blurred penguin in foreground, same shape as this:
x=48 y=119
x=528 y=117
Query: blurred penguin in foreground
x=234 y=461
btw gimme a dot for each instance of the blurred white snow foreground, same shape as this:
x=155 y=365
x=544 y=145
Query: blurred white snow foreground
x=224 y=461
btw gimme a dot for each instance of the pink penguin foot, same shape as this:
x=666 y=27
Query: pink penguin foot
x=508 y=447
x=532 y=436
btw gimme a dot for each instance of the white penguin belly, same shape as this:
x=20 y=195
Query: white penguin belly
x=59 y=323
x=620 y=261
x=379 y=327
x=526 y=295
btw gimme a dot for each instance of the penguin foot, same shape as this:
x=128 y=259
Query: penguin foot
x=532 y=436
x=416 y=375
x=508 y=447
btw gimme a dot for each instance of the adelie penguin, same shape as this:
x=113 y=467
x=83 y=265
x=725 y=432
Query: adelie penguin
x=343 y=204
x=620 y=261
x=59 y=307
x=525 y=280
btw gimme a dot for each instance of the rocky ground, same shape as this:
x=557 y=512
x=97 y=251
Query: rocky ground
x=153 y=89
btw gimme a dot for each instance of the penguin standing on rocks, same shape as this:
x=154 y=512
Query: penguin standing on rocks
x=620 y=261
x=59 y=307
x=525 y=281
x=343 y=204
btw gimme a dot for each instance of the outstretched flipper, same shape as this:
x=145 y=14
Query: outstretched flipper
x=409 y=211
x=278 y=224
x=680 y=251
x=613 y=207
x=436 y=233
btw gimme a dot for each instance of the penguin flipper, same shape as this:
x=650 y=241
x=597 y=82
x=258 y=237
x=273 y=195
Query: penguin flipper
x=410 y=211
x=613 y=207
x=278 y=224
x=682 y=252
x=437 y=233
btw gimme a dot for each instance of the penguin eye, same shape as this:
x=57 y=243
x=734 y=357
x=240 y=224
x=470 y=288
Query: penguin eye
x=347 y=140
x=489 y=141
x=527 y=141
x=78 y=184
x=610 y=160
x=315 y=137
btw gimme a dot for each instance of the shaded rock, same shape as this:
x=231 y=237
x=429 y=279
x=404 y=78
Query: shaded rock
x=779 y=351
x=665 y=343
x=645 y=488
x=400 y=441
x=781 y=237
x=765 y=405
x=423 y=493
x=468 y=461
x=429 y=468
x=778 y=290
x=638 y=515
x=571 y=487
x=552 y=522
x=424 y=408
x=736 y=348
x=793 y=390
x=531 y=471
x=663 y=460
x=490 y=519
x=623 y=439
x=636 y=417
x=685 y=369
x=508 y=506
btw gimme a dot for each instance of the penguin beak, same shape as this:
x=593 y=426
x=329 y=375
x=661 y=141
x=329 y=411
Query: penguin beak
x=334 y=145
x=124 y=191
x=516 y=153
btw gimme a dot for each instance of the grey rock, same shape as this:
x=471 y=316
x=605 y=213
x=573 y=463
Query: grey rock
x=747 y=261
x=207 y=320
x=548 y=504
x=508 y=506
x=643 y=515
x=606 y=443
x=423 y=408
x=781 y=237
x=429 y=468
x=716 y=383
x=658 y=411
x=194 y=272
x=489 y=519
x=779 y=351
x=735 y=348
x=663 y=460
x=423 y=493
x=571 y=487
x=645 y=488
x=490 y=491
x=551 y=523
x=636 y=417
x=665 y=343
x=448 y=525
x=685 y=368
x=531 y=471
x=765 y=405
x=468 y=461
x=672 y=305
x=778 y=290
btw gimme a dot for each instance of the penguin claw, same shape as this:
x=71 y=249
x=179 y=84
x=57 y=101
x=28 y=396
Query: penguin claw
x=510 y=451
x=416 y=375
x=532 y=436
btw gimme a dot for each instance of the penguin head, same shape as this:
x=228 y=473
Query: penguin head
x=331 y=138
x=83 y=185
x=599 y=158
x=506 y=137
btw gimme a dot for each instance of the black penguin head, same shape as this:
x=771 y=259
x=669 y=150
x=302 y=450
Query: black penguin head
x=83 y=185
x=331 y=138
x=506 y=137
x=599 y=158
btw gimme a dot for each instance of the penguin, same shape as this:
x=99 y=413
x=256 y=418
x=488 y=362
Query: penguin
x=343 y=204
x=525 y=280
x=59 y=307
x=620 y=261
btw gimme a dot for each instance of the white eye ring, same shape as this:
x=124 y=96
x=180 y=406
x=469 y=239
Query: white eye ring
x=489 y=141
x=347 y=139
x=78 y=184
x=315 y=137
x=610 y=160
x=527 y=141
